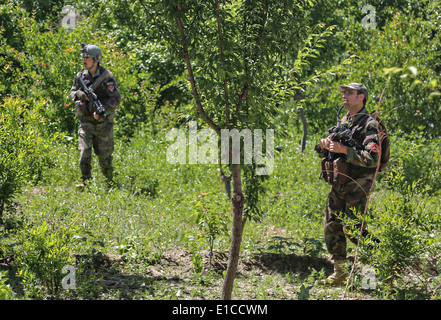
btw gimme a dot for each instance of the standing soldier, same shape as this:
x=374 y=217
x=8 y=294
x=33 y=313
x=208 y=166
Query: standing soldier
x=349 y=166
x=96 y=96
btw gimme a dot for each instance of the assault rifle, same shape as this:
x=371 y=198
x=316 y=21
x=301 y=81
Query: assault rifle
x=99 y=108
x=340 y=134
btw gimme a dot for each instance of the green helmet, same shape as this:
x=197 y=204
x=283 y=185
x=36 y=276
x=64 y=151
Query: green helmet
x=90 y=50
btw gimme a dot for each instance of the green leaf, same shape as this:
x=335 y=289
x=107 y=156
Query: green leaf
x=392 y=70
x=434 y=94
x=413 y=70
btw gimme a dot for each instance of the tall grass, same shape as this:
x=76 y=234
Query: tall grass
x=157 y=207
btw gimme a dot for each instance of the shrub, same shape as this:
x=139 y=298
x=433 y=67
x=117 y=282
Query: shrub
x=22 y=146
x=6 y=292
x=417 y=160
x=407 y=225
x=40 y=256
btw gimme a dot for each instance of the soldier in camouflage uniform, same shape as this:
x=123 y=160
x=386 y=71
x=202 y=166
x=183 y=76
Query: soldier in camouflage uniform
x=95 y=131
x=362 y=161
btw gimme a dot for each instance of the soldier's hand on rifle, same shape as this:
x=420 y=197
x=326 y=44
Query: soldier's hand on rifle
x=82 y=95
x=333 y=146
x=96 y=116
x=324 y=143
x=337 y=147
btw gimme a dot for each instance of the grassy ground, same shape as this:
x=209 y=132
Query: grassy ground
x=150 y=237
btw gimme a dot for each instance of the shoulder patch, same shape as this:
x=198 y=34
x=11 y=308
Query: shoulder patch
x=110 y=86
x=373 y=147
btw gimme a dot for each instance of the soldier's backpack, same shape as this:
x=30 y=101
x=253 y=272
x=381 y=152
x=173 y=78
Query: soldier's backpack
x=383 y=139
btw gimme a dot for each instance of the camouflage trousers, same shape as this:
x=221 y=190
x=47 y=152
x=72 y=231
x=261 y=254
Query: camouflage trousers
x=342 y=200
x=99 y=136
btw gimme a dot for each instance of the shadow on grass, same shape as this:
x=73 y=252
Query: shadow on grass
x=284 y=263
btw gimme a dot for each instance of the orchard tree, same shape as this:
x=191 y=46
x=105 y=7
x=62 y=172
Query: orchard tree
x=243 y=58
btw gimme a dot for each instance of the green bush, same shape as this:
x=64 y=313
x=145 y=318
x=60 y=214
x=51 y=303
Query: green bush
x=406 y=223
x=416 y=160
x=40 y=256
x=6 y=292
x=22 y=146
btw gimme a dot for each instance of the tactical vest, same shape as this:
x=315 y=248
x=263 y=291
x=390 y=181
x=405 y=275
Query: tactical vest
x=338 y=171
x=95 y=84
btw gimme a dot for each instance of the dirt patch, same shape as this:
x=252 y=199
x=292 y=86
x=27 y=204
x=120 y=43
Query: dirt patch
x=260 y=276
x=301 y=265
x=175 y=273
x=262 y=263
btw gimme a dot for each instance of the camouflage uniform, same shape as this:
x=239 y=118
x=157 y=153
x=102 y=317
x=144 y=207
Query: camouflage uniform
x=343 y=199
x=96 y=134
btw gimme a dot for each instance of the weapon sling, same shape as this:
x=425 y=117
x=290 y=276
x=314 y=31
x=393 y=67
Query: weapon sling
x=97 y=82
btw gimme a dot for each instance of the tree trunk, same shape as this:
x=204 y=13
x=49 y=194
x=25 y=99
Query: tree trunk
x=227 y=181
x=236 y=235
x=305 y=128
x=238 y=198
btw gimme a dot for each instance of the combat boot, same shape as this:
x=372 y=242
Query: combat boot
x=82 y=184
x=338 y=277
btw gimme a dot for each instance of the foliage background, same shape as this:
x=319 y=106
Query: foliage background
x=160 y=206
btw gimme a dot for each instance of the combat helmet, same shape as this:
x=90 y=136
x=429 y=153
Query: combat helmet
x=90 y=50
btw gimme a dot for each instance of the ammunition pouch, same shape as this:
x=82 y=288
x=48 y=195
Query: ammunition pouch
x=327 y=171
x=80 y=108
x=341 y=171
x=336 y=172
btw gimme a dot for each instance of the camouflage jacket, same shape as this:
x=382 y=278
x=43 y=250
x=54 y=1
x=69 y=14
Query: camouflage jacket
x=107 y=92
x=364 y=132
x=365 y=135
